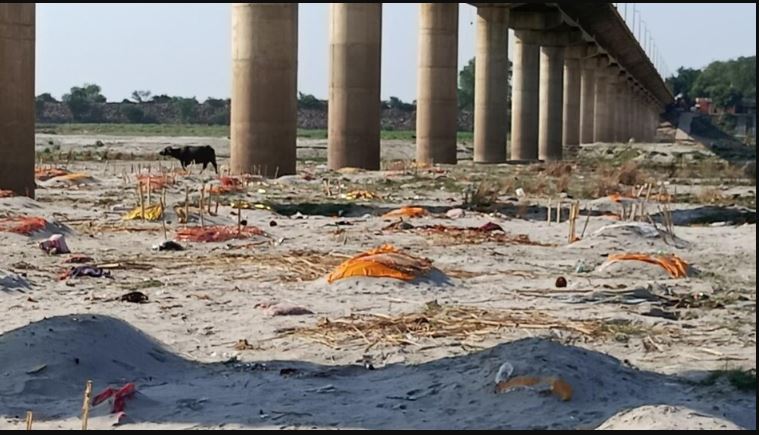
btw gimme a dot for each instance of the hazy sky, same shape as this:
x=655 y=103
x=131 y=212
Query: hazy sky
x=184 y=49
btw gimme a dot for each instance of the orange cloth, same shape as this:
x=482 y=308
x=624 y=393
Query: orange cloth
x=410 y=212
x=383 y=262
x=674 y=265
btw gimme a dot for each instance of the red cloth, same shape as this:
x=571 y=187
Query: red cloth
x=120 y=396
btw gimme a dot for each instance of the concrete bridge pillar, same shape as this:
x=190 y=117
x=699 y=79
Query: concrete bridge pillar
x=628 y=110
x=491 y=85
x=621 y=109
x=354 y=87
x=17 y=45
x=572 y=96
x=602 y=111
x=587 y=99
x=525 y=97
x=264 y=112
x=551 y=105
x=437 y=98
x=611 y=84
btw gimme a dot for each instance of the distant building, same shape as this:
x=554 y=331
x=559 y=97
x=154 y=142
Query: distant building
x=704 y=105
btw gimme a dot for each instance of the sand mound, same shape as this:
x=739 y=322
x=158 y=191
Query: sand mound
x=665 y=417
x=53 y=358
x=40 y=371
x=12 y=281
x=630 y=237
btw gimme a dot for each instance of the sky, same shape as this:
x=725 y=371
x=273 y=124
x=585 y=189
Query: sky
x=184 y=49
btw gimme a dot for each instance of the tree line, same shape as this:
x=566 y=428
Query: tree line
x=87 y=104
x=727 y=83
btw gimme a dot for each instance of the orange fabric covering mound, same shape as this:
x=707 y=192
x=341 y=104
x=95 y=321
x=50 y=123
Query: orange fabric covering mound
x=559 y=387
x=226 y=185
x=674 y=265
x=155 y=181
x=216 y=233
x=409 y=212
x=24 y=225
x=383 y=262
x=44 y=174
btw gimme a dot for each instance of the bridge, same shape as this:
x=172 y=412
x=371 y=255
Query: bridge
x=579 y=76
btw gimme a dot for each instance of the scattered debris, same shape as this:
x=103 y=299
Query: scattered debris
x=79 y=258
x=242 y=344
x=434 y=322
x=54 y=245
x=456 y=213
x=217 y=233
x=168 y=245
x=283 y=309
x=134 y=297
x=360 y=194
x=91 y=271
x=44 y=174
x=557 y=386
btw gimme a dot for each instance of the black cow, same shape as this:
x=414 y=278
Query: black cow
x=192 y=154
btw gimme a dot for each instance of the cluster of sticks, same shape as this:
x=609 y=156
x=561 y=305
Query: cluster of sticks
x=434 y=322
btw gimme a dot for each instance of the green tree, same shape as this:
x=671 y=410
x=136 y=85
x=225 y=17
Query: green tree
x=466 y=85
x=308 y=101
x=397 y=103
x=683 y=82
x=163 y=98
x=83 y=102
x=140 y=96
x=40 y=101
x=186 y=107
x=727 y=83
x=134 y=114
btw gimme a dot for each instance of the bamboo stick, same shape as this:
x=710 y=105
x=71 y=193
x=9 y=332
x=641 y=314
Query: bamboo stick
x=29 y=418
x=86 y=404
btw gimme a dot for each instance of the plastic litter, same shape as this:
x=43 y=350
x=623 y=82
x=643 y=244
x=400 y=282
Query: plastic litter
x=168 y=245
x=56 y=244
x=91 y=271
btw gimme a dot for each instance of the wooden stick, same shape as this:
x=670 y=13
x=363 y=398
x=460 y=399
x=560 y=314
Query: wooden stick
x=200 y=205
x=632 y=212
x=239 y=218
x=587 y=219
x=186 y=205
x=149 y=187
x=558 y=212
x=216 y=209
x=548 y=212
x=86 y=404
x=142 y=200
x=163 y=212
x=29 y=418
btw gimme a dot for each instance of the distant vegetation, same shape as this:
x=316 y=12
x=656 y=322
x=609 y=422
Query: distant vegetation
x=727 y=83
